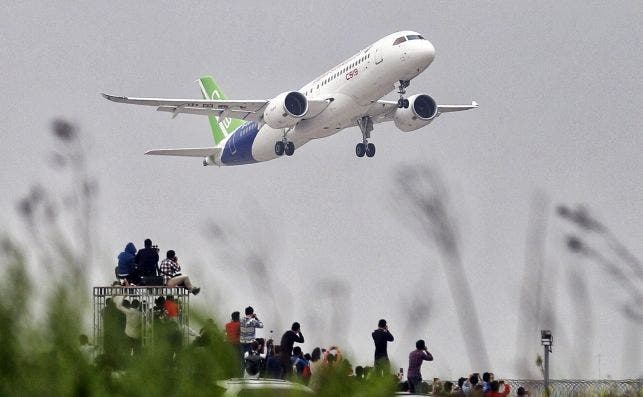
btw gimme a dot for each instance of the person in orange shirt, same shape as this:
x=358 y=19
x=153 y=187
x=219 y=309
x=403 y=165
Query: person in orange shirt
x=171 y=308
x=233 y=329
x=233 y=335
x=495 y=389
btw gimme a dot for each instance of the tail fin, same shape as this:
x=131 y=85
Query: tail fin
x=220 y=128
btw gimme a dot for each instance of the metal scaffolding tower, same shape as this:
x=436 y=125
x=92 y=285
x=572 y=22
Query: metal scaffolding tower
x=147 y=297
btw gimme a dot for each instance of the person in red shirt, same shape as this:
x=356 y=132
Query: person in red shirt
x=495 y=389
x=171 y=308
x=233 y=336
x=233 y=329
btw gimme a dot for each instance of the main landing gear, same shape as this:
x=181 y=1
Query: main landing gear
x=284 y=146
x=403 y=103
x=365 y=148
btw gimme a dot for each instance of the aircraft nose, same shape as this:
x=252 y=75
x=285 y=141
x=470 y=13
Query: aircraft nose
x=427 y=53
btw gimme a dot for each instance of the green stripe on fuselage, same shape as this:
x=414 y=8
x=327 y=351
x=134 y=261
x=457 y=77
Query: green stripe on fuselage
x=220 y=127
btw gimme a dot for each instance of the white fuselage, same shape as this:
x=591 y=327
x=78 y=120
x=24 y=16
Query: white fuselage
x=355 y=84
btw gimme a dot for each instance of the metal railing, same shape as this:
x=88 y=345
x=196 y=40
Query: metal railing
x=577 y=387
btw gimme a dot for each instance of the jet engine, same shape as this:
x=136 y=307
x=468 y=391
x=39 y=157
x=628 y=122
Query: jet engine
x=421 y=111
x=285 y=110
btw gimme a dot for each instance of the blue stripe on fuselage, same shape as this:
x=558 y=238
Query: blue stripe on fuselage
x=238 y=148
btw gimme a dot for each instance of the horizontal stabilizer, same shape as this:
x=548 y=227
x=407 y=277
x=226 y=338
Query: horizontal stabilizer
x=188 y=152
x=456 y=108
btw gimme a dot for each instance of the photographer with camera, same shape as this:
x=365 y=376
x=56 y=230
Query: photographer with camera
x=147 y=260
x=247 y=328
x=287 y=342
x=381 y=337
x=254 y=359
x=171 y=272
x=416 y=358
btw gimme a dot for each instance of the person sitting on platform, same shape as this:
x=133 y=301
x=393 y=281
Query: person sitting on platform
x=147 y=259
x=171 y=272
x=126 y=261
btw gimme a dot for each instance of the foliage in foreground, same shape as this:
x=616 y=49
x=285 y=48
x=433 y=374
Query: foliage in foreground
x=41 y=357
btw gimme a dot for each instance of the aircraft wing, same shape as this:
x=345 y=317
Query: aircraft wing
x=382 y=111
x=249 y=110
x=189 y=152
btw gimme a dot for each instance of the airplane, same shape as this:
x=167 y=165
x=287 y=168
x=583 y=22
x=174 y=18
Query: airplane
x=349 y=94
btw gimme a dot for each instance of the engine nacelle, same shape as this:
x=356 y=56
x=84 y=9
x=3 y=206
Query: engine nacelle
x=421 y=111
x=285 y=110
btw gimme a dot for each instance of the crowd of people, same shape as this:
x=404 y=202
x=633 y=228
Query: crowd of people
x=262 y=358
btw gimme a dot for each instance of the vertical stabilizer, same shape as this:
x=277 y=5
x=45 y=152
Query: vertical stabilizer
x=221 y=127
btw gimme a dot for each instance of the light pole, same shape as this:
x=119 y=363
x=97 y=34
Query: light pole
x=547 y=341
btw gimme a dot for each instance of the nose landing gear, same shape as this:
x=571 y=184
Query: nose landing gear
x=403 y=103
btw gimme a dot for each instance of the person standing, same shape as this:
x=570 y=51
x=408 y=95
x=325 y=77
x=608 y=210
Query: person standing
x=287 y=342
x=253 y=360
x=414 y=374
x=381 y=337
x=114 y=339
x=247 y=329
x=233 y=334
x=133 y=322
x=233 y=329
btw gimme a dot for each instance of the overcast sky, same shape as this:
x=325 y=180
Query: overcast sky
x=560 y=92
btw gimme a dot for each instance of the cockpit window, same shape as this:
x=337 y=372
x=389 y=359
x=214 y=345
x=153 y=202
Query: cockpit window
x=415 y=37
x=399 y=40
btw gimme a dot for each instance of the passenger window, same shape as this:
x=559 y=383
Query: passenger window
x=399 y=40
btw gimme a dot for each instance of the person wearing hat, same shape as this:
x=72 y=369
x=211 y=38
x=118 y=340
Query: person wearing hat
x=416 y=358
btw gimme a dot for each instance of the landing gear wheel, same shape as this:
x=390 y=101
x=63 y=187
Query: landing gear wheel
x=370 y=150
x=403 y=103
x=290 y=148
x=279 y=148
x=400 y=103
x=360 y=150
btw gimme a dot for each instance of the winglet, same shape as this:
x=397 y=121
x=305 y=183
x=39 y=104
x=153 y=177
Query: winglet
x=474 y=104
x=114 y=98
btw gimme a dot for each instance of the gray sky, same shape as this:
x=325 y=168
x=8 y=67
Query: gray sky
x=560 y=93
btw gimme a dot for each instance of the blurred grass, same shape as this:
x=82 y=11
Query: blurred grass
x=40 y=355
x=41 y=318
